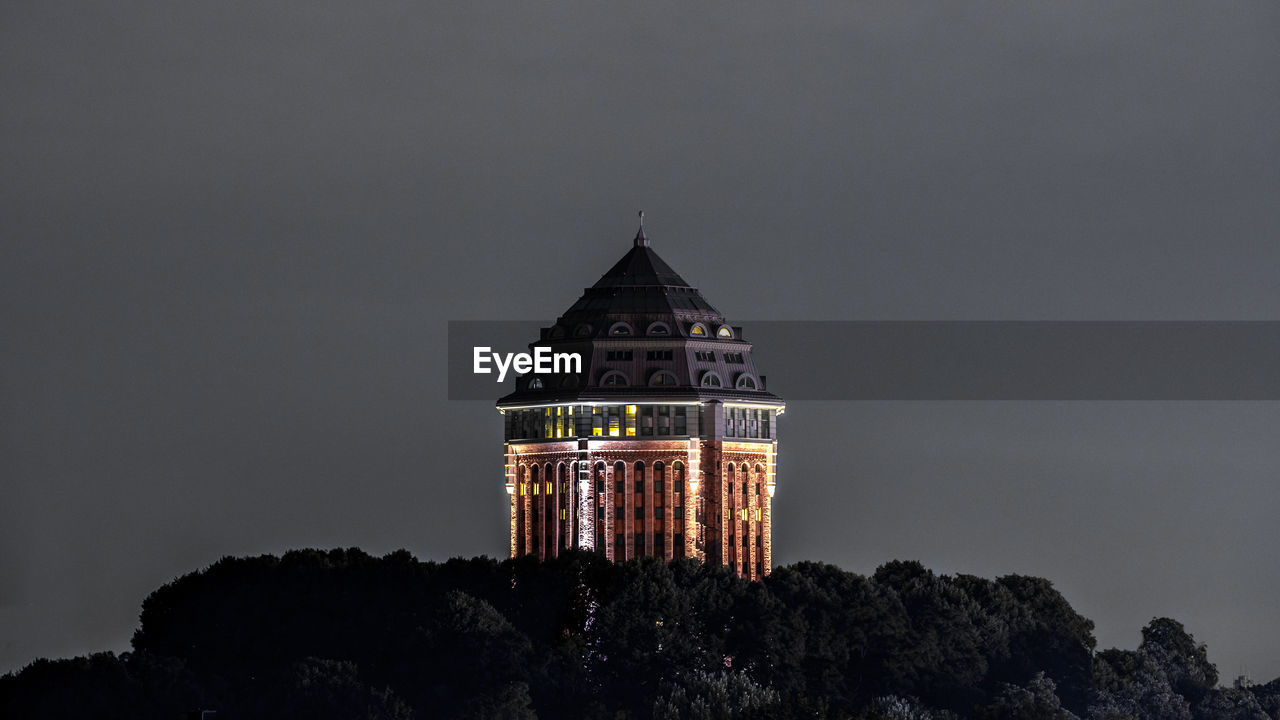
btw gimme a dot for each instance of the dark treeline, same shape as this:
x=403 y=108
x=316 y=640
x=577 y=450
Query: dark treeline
x=341 y=634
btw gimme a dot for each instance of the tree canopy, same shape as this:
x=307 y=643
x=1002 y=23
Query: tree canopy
x=342 y=634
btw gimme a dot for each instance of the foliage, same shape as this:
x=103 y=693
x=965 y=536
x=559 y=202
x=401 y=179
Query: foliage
x=342 y=634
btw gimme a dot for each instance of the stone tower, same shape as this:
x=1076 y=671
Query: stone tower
x=665 y=444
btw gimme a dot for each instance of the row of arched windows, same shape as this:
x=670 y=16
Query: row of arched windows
x=655 y=329
x=662 y=378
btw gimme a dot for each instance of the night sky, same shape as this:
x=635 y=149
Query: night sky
x=232 y=235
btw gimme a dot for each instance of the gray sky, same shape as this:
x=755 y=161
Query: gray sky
x=231 y=236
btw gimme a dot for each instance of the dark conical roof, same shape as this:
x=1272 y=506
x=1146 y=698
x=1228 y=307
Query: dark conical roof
x=640 y=267
x=641 y=305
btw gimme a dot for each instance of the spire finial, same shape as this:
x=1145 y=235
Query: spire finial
x=641 y=240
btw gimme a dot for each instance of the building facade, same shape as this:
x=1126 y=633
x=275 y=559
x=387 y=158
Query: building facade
x=665 y=444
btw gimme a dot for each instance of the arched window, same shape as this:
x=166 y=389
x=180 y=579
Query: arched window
x=677 y=480
x=556 y=332
x=582 y=330
x=535 y=384
x=746 y=382
x=662 y=378
x=724 y=332
x=658 y=328
x=659 y=477
x=600 y=476
x=639 y=476
x=620 y=328
x=698 y=330
x=614 y=378
x=711 y=380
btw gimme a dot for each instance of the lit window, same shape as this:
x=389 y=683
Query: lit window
x=757 y=513
x=724 y=332
x=698 y=330
x=631 y=420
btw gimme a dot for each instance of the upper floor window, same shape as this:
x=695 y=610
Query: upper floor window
x=613 y=377
x=724 y=332
x=535 y=384
x=711 y=379
x=698 y=330
x=618 y=354
x=746 y=382
x=662 y=378
x=658 y=328
x=735 y=358
x=658 y=355
x=620 y=328
x=704 y=356
x=582 y=330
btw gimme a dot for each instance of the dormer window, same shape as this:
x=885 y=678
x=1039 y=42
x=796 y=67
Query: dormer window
x=614 y=378
x=620 y=329
x=724 y=332
x=658 y=328
x=698 y=330
x=662 y=378
x=535 y=384
x=711 y=380
x=746 y=382
x=582 y=330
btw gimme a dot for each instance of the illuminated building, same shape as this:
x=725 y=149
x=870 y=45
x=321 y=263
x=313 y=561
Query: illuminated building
x=666 y=443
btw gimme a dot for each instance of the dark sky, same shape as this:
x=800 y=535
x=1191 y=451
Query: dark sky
x=232 y=233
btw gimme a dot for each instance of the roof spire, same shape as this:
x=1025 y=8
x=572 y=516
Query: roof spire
x=641 y=240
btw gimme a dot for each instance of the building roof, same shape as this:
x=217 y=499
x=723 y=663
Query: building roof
x=643 y=306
